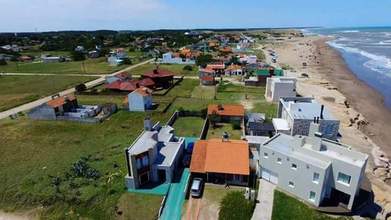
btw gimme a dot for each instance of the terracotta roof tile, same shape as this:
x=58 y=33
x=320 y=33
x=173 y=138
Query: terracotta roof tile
x=158 y=73
x=217 y=156
x=226 y=110
x=57 y=102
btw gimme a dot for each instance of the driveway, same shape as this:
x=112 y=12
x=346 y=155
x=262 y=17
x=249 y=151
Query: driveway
x=264 y=207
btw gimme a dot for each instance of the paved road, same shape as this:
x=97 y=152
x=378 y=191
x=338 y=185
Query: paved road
x=264 y=208
x=38 y=102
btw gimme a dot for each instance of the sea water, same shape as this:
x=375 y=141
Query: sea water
x=366 y=51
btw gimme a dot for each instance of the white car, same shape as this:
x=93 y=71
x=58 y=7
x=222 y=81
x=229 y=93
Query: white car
x=197 y=187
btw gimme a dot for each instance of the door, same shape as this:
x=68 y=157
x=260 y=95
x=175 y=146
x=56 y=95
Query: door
x=269 y=176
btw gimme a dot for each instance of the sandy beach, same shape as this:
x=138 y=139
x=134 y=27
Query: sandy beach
x=365 y=121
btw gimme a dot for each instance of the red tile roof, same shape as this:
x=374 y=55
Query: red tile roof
x=60 y=101
x=129 y=85
x=158 y=73
x=217 y=156
x=147 y=82
x=207 y=78
x=123 y=75
x=226 y=110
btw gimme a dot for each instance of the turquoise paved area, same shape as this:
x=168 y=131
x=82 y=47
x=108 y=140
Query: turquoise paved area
x=158 y=190
x=190 y=140
x=175 y=199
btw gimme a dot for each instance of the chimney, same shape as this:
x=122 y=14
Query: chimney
x=148 y=124
x=321 y=112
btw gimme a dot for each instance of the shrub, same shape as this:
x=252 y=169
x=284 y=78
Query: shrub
x=127 y=61
x=188 y=68
x=78 y=55
x=3 y=62
x=234 y=206
x=236 y=125
x=81 y=87
x=82 y=169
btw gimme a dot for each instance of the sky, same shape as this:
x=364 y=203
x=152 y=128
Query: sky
x=52 y=15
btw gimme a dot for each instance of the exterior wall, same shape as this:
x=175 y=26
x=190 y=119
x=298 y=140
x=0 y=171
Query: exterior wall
x=136 y=102
x=167 y=58
x=283 y=90
x=43 y=112
x=301 y=177
x=328 y=128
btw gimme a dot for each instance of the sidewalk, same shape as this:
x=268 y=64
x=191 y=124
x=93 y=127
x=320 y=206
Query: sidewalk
x=264 y=207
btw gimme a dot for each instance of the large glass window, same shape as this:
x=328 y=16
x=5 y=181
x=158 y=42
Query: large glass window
x=294 y=166
x=344 y=178
x=312 y=196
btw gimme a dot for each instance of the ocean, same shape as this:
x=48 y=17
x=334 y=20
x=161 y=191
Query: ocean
x=366 y=51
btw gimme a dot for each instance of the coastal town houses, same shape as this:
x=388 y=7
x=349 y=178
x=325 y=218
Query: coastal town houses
x=226 y=112
x=221 y=161
x=169 y=58
x=129 y=85
x=162 y=78
x=277 y=87
x=117 y=56
x=295 y=115
x=207 y=77
x=154 y=156
x=317 y=170
x=139 y=100
x=264 y=73
x=234 y=70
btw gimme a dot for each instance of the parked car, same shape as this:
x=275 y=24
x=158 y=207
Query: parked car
x=196 y=187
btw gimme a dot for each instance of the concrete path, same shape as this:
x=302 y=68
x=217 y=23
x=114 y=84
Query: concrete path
x=264 y=207
x=41 y=101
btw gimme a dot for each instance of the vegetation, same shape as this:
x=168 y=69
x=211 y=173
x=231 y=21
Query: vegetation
x=52 y=175
x=219 y=128
x=235 y=207
x=90 y=66
x=188 y=126
x=77 y=55
x=177 y=69
x=17 y=90
x=204 y=59
x=147 y=206
x=286 y=207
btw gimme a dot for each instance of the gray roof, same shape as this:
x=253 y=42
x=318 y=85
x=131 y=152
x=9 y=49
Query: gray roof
x=302 y=150
x=306 y=110
x=168 y=153
x=256 y=117
x=146 y=141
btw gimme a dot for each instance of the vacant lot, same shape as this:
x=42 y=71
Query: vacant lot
x=90 y=66
x=17 y=90
x=38 y=159
x=177 y=69
x=204 y=92
x=286 y=207
x=188 y=126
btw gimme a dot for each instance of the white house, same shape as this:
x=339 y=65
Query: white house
x=140 y=100
x=277 y=87
x=251 y=59
x=117 y=57
x=168 y=58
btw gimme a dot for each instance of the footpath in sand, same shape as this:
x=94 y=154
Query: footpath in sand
x=364 y=120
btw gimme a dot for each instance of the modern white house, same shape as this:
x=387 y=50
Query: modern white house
x=154 y=156
x=317 y=170
x=140 y=100
x=168 y=58
x=117 y=57
x=278 y=87
x=297 y=113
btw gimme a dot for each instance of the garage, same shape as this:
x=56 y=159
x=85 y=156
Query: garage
x=269 y=176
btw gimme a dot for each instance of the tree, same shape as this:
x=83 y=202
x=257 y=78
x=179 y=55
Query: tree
x=235 y=207
x=204 y=59
x=81 y=87
x=3 y=62
x=188 y=68
x=127 y=61
x=78 y=55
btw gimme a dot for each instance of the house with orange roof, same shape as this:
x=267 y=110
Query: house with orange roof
x=207 y=77
x=235 y=70
x=221 y=161
x=227 y=112
x=139 y=100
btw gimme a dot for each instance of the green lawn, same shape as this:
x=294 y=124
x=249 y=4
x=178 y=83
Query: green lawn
x=286 y=207
x=188 y=126
x=37 y=157
x=89 y=66
x=17 y=90
x=147 y=206
x=220 y=128
x=177 y=69
x=204 y=92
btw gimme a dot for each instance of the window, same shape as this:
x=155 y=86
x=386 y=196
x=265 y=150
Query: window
x=265 y=155
x=291 y=184
x=279 y=160
x=294 y=166
x=315 y=178
x=312 y=196
x=344 y=178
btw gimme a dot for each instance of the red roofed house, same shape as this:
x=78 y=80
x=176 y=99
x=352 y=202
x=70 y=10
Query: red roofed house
x=221 y=161
x=130 y=85
x=227 y=112
x=161 y=78
x=207 y=77
x=122 y=76
x=217 y=67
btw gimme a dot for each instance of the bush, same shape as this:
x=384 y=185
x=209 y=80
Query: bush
x=236 y=125
x=188 y=68
x=3 y=62
x=81 y=87
x=204 y=59
x=235 y=206
x=78 y=55
x=127 y=61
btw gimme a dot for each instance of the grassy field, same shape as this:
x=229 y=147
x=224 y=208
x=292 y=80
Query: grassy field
x=48 y=150
x=17 y=90
x=89 y=66
x=286 y=207
x=147 y=206
x=220 y=128
x=188 y=126
x=204 y=92
x=177 y=69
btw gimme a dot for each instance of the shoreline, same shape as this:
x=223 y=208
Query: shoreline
x=361 y=96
